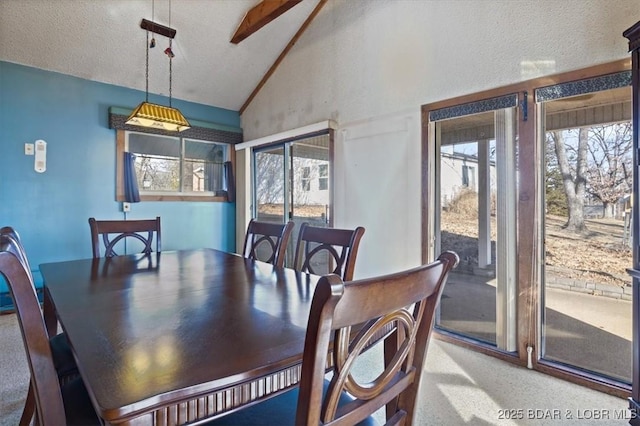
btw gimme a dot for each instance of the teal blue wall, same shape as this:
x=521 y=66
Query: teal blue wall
x=50 y=210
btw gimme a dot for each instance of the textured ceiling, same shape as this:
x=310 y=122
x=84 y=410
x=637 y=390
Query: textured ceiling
x=101 y=40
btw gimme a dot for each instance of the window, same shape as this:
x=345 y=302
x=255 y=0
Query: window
x=306 y=178
x=323 y=172
x=167 y=164
x=469 y=177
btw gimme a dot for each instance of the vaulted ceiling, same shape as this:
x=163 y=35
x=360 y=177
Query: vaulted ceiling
x=101 y=40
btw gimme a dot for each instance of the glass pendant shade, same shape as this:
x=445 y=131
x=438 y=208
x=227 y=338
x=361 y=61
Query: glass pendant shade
x=158 y=117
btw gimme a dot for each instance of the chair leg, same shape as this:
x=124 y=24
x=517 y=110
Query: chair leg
x=29 y=408
x=49 y=313
x=391 y=344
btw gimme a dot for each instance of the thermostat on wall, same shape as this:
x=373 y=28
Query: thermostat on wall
x=40 y=164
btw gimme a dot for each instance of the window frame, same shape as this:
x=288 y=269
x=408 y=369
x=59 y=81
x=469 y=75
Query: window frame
x=121 y=139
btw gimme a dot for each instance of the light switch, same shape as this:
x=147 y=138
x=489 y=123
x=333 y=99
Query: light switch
x=28 y=149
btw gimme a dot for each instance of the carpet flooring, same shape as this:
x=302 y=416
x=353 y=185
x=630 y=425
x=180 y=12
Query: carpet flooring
x=459 y=387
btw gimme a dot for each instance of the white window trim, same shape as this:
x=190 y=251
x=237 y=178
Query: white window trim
x=293 y=133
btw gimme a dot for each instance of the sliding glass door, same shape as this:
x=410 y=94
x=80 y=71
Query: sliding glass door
x=292 y=181
x=533 y=190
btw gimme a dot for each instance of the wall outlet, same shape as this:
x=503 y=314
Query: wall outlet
x=29 y=149
x=126 y=207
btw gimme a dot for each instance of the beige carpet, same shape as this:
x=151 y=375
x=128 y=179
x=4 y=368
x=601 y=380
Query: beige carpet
x=460 y=387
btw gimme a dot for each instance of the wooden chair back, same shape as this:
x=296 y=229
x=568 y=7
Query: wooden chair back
x=18 y=250
x=22 y=255
x=267 y=237
x=44 y=379
x=336 y=248
x=404 y=303
x=113 y=231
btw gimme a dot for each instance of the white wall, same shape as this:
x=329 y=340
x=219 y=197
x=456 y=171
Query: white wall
x=363 y=61
x=377 y=174
x=365 y=58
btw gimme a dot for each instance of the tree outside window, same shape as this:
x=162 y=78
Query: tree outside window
x=306 y=178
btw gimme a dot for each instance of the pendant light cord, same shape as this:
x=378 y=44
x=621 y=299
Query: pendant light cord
x=170 y=56
x=147 y=69
x=147 y=47
x=170 y=61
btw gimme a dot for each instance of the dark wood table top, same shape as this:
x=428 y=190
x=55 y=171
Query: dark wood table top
x=150 y=331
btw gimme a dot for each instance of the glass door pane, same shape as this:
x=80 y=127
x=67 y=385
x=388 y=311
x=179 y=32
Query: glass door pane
x=310 y=186
x=270 y=201
x=476 y=185
x=310 y=177
x=587 y=293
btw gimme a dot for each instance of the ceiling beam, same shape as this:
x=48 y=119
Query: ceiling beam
x=260 y=15
x=286 y=50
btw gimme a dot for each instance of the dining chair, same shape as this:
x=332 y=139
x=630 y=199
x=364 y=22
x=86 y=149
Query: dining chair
x=55 y=403
x=267 y=241
x=405 y=300
x=114 y=231
x=327 y=250
x=62 y=356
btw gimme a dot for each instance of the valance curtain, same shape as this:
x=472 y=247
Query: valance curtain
x=214 y=176
x=131 y=192
x=229 y=182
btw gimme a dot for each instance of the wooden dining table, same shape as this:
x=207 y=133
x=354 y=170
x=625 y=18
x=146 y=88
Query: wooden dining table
x=174 y=337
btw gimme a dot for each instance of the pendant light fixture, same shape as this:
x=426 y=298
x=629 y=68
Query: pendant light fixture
x=148 y=114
